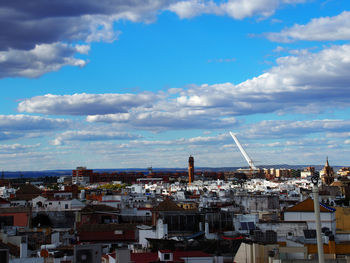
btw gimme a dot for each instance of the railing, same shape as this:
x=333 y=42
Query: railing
x=40 y=209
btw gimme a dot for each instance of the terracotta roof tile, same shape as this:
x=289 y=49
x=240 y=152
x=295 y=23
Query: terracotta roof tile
x=168 y=205
x=105 y=227
x=177 y=256
x=15 y=210
x=99 y=208
x=306 y=206
x=28 y=189
x=4 y=201
x=144 y=257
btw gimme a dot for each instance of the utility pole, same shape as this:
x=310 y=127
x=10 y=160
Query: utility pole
x=314 y=180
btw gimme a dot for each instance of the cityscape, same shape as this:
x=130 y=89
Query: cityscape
x=207 y=131
x=245 y=215
x=250 y=214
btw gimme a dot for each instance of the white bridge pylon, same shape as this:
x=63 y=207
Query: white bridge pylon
x=245 y=155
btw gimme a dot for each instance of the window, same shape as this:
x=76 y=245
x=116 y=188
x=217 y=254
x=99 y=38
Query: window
x=66 y=206
x=166 y=256
x=6 y=221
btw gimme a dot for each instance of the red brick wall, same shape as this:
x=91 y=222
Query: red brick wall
x=19 y=219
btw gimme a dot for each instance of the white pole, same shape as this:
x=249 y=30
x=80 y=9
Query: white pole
x=244 y=153
x=318 y=223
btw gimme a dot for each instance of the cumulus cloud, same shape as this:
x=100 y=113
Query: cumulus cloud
x=318 y=29
x=41 y=59
x=299 y=83
x=237 y=9
x=285 y=129
x=28 y=30
x=25 y=25
x=10 y=148
x=85 y=104
x=338 y=135
x=305 y=82
x=192 y=141
x=209 y=139
x=34 y=37
x=157 y=120
x=192 y=8
x=21 y=123
x=9 y=135
x=92 y=135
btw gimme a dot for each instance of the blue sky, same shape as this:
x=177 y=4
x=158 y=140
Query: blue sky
x=123 y=84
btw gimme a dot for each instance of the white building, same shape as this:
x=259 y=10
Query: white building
x=42 y=203
x=304 y=211
x=161 y=231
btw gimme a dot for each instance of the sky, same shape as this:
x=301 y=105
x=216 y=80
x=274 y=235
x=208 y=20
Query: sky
x=133 y=84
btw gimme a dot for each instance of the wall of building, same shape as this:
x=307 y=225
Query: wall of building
x=14 y=240
x=292 y=252
x=143 y=234
x=331 y=248
x=284 y=230
x=63 y=219
x=19 y=219
x=342 y=217
x=196 y=260
x=327 y=219
x=253 y=253
x=256 y=203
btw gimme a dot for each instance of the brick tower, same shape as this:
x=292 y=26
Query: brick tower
x=190 y=169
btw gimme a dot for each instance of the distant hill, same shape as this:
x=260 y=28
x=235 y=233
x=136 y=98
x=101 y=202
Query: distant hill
x=36 y=174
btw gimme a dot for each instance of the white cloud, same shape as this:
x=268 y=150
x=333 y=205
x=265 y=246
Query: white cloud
x=9 y=148
x=85 y=104
x=135 y=142
x=240 y=9
x=28 y=33
x=21 y=123
x=237 y=9
x=33 y=36
x=298 y=83
x=9 y=135
x=205 y=140
x=26 y=25
x=284 y=129
x=279 y=49
x=318 y=29
x=92 y=135
x=192 y=8
x=167 y=119
x=41 y=59
x=338 y=135
x=302 y=83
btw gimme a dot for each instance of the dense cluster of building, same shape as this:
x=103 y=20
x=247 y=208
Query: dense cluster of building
x=175 y=216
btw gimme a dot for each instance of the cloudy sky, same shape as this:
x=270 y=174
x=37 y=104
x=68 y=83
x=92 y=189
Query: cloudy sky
x=132 y=84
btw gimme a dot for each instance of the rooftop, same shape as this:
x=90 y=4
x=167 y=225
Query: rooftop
x=307 y=206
